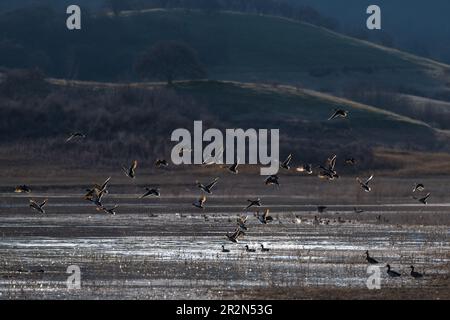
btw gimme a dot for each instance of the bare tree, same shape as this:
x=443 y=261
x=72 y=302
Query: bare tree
x=170 y=60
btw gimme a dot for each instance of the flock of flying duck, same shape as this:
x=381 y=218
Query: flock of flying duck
x=327 y=171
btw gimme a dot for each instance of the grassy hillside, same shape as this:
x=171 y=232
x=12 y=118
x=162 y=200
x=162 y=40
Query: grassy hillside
x=233 y=46
x=131 y=121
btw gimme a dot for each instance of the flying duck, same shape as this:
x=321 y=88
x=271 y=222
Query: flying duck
x=38 y=206
x=338 y=113
x=234 y=237
x=161 y=163
x=233 y=168
x=365 y=185
x=22 y=189
x=151 y=192
x=241 y=221
x=97 y=189
x=418 y=187
x=273 y=179
x=285 y=163
x=256 y=203
x=307 y=168
x=328 y=171
x=208 y=188
x=263 y=217
x=350 y=161
x=200 y=202
x=131 y=172
x=75 y=135
x=423 y=200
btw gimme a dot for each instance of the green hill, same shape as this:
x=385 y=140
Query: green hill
x=136 y=120
x=233 y=46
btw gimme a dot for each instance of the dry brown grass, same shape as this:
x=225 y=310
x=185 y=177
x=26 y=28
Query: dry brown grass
x=407 y=163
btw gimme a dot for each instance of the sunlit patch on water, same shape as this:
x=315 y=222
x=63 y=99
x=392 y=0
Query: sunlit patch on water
x=175 y=256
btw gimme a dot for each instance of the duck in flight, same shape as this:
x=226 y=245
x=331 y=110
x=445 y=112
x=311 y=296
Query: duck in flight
x=150 y=192
x=96 y=189
x=161 y=163
x=253 y=203
x=365 y=185
x=241 y=221
x=22 y=189
x=39 y=207
x=263 y=217
x=392 y=273
x=273 y=179
x=208 y=187
x=234 y=237
x=419 y=187
x=415 y=274
x=423 y=200
x=234 y=168
x=328 y=171
x=370 y=259
x=350 y=161
x=200 y=203
x=96 y=197
x=131 y=172
x=338 y=113
x=75 y=135
x=285 y=163
x=307 y=168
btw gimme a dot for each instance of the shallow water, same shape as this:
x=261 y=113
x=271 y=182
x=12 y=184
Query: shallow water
x=155 y=250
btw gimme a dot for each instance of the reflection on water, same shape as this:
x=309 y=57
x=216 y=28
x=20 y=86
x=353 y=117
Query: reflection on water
x=179 y=256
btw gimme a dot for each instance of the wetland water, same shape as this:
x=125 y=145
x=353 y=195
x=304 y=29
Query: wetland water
x=159 y=249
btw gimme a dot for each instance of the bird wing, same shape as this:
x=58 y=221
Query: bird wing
x=288 y=160
x=242 y=219
x=332 y=162
x=70 y=138
x=134 y=165
x=334 y=115
x=105 y=184
x=212 y=184
x=43 y=203
x=235 y=233
x=266 y=213
x=368 y=180
x=144 y=195
x=427 y=196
